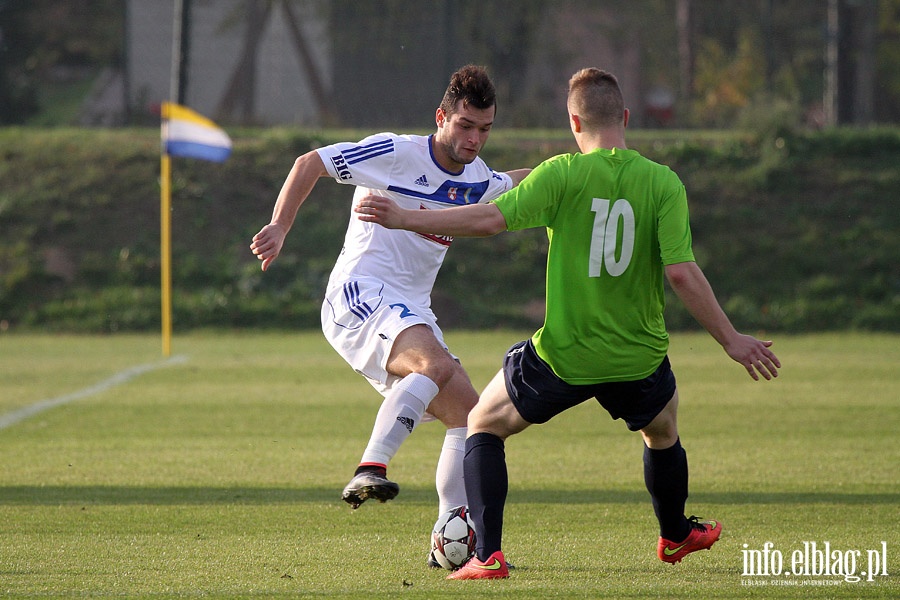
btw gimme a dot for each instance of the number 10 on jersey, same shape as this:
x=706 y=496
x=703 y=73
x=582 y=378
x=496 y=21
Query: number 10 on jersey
x=605 y=237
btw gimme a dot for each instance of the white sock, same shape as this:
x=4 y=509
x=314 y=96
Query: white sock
x=451 y=487
x=400 y=412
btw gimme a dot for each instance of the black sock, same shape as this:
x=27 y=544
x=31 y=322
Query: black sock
x=487 y=483
x=666 y=476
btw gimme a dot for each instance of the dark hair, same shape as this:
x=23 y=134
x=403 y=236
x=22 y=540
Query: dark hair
x=595 y=96
x=473 y=86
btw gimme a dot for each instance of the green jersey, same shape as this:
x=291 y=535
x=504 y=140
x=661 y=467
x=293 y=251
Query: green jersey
x=614 y=219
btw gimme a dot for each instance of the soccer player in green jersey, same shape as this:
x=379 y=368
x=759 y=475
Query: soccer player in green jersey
x=618 y=225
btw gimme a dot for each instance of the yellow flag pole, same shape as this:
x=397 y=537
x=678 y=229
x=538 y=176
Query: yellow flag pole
x=165 y=219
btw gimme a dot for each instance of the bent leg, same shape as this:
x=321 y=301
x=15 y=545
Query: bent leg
x=662 y=432
x=424 y=367
x=400 y=412
x=492 y=420
x=495 y=412
x=451 y=406
x=419 y=351
x=666 y=472
x=434 y=382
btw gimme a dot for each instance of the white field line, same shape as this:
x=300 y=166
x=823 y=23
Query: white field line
x=16 y=416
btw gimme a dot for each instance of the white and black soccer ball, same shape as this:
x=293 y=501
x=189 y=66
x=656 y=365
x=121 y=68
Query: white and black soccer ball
x=453 y=538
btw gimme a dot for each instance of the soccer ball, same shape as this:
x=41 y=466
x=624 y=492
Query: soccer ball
x=453 y=538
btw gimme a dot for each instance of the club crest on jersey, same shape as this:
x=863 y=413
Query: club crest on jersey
x=453 y=193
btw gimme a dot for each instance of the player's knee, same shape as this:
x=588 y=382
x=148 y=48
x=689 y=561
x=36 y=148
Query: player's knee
x=496 y=416
x=434 y=366
x=660 y=434
x=477 y=422
x=452 y=411
x=443 y=371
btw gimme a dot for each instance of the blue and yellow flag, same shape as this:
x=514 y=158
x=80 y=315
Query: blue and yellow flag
x=188 y=134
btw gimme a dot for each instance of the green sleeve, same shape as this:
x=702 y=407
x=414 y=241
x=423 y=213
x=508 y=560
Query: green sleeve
x=674 y=228
x=534 y=202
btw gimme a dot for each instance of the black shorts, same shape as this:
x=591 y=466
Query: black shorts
x=539 y=395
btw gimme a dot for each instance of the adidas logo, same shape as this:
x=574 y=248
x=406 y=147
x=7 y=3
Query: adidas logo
x=407 y=422
x=422 y=181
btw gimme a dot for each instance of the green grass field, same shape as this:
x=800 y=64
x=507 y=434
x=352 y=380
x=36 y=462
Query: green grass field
x=218 y=474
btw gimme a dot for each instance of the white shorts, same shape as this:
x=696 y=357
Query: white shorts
x=361 y=318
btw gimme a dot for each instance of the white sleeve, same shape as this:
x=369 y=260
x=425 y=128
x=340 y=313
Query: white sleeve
x=498 y=184
x=367 y=163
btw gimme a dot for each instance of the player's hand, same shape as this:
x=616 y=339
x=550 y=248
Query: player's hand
x=755 y=355
x=267 y=244
x=381 y=210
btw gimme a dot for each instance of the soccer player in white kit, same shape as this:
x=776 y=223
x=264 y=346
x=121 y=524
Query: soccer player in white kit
x=377 y=309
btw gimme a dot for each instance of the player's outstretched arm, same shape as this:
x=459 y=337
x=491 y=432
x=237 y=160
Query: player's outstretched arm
x=307 y=170
x=692 y=288
x=474 y=220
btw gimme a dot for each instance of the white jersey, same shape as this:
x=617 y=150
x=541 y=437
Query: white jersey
x=403 y=168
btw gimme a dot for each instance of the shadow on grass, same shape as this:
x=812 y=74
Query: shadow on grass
x=200 y=495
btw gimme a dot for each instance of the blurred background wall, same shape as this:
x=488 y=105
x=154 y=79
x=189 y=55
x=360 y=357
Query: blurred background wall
x=378 y=63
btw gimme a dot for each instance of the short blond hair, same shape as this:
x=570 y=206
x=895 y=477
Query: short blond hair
x=595 y=96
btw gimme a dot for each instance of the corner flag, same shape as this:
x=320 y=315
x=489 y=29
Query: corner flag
x=190 y=135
